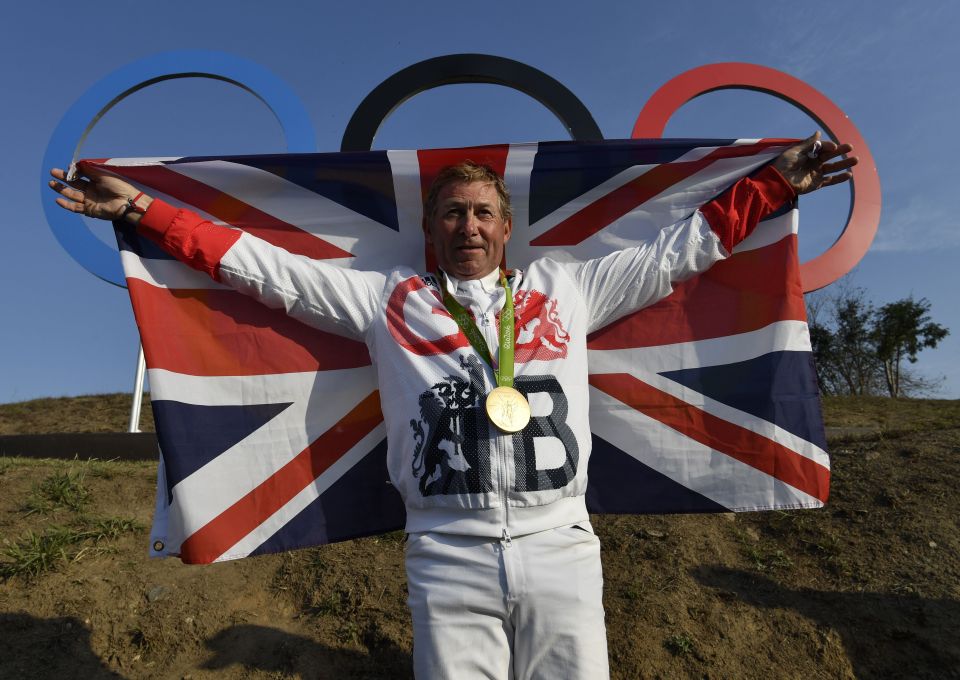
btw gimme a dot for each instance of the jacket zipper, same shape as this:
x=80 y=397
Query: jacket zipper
x=499 y=440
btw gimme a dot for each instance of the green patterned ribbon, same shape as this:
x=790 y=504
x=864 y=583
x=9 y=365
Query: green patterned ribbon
x=504 y=370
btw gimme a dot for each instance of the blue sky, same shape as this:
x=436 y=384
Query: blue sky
x=892 y=67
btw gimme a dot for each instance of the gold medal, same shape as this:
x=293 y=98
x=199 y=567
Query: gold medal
x=508 y=409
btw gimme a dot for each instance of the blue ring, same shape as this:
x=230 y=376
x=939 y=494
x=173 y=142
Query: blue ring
x=69 y=228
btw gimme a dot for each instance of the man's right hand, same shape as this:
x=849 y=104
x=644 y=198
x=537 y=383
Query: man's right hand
x=807 y=169
x=102 y=196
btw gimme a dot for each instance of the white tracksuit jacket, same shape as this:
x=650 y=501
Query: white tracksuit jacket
x=455 y=471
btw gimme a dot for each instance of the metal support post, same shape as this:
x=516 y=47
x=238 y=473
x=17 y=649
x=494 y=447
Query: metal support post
x=134 y=425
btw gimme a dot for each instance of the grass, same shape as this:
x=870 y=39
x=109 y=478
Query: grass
x=680 y=644
x=894 y=415
x=767 y=559
x=34 y=554
x=763 y=554
x=91 y=413
x=62 y=489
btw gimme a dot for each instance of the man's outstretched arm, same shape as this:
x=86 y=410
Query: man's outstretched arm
x=328 y=297
x=801 y=169
x=630 y=279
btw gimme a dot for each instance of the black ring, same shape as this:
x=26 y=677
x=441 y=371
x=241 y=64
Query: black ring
x=454 y=69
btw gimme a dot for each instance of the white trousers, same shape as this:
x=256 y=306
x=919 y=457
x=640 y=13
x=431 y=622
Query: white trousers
x=521 y=609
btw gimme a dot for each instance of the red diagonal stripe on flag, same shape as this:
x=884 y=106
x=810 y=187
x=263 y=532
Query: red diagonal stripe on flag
x=600 y=213
x=221 y=332
x=231 y=210
x=749 y=291
x=720 y=435
x=224 y=531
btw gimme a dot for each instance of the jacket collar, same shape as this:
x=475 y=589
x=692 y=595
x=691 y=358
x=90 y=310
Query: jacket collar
x=488 y=283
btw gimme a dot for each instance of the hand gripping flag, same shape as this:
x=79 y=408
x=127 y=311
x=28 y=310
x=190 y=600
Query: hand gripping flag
x=271 y=434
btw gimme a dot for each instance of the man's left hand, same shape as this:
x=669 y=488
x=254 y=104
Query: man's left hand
x=807 y=169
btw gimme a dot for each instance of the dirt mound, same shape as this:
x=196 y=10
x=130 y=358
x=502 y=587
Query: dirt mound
x=869 y=587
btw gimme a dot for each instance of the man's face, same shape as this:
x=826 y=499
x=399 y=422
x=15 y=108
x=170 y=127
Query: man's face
x=467 y=231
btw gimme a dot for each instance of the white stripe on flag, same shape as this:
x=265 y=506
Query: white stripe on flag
x=647 y=363
x=770 y=231
x=747 y=421
x=140 y=162
x=516 y=176
x=644 y=222
x=690 y=463
x=305 y=209
x=232 y=390
x=166 y=273
x=310 y=493
x=405 y=168
x=780 y=336
x=629 y=175
x=241 y=468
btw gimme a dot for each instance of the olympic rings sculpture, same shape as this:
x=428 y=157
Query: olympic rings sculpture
x=102 y=261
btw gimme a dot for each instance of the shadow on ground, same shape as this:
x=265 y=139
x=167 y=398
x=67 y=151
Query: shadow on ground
x=275 y=651
x=884 y=635
x=31 y=647
x=48 y=648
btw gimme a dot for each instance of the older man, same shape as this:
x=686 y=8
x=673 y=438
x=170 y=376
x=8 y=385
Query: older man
x=488 y=447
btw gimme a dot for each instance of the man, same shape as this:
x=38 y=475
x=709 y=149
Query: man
x=488 y=445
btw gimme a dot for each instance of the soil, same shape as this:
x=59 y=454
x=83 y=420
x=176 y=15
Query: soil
x=868 y=587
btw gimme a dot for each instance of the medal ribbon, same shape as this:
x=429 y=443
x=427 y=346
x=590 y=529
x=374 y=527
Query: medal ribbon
x=503 y=371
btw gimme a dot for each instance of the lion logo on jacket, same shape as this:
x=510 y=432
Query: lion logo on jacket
x=452 y=452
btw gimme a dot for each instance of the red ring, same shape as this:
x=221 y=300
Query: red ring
x=864 y=217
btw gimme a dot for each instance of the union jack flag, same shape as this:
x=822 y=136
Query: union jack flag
x=271 y=434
